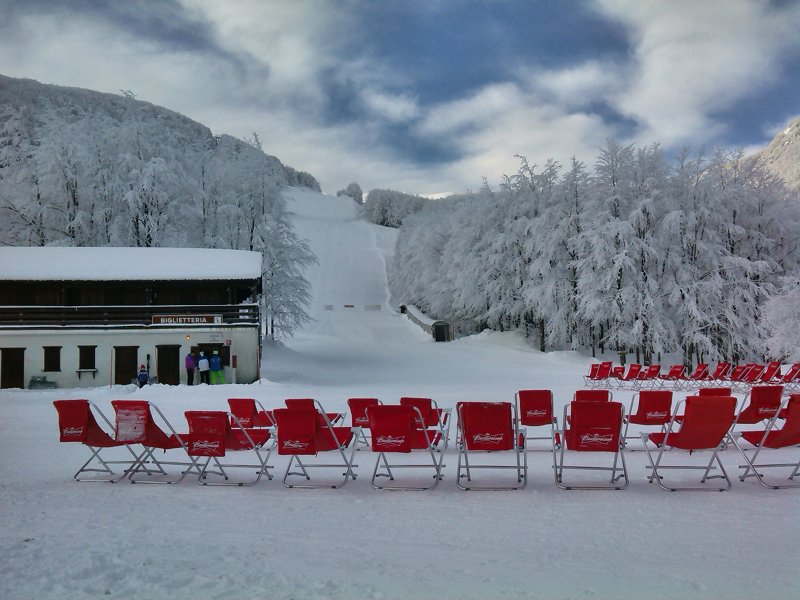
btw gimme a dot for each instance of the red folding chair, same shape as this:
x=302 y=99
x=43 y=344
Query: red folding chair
x=773 y=438
x=77 y=423
x=250 y=413
x=134 y=424
x=648 y=378
x=762 y=404
x=358 y=417
x=432 y=415
x=593 y=396
x=490 y=427
x=592 y=427
x=705 y=426
x=720 y=372
x=771 y=373
x=696 y=378
x=310 y=403
x=598 y=376
x=535 y=409
x=737 y=374
x=395 y=429
x=629 y=376
x=791 y=379
x=674 y=375
x=212 y=436
x=715 y=391
x=300 y=433
x=710 y=392
x=751 y=377
x=653 y=409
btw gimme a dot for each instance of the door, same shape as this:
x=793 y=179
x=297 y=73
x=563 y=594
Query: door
x=125 y=367
x=168 y=364
x=12 y=372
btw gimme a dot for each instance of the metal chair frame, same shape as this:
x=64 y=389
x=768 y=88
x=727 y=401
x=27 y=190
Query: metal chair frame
x=95 y=450
x=147 y=456
x=751 y=468
x=657 y=468
x=347 y=463
x=553 y=422
x=262 y=466
x=619 y=456
x=521 y=457
x=386 y=471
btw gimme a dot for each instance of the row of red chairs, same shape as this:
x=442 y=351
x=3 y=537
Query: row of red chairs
x=592 y=422
x=740 y=377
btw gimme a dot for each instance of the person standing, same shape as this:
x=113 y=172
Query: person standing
x=216 y=369
x=203 y=366
x=190 y=365
x=142 y=377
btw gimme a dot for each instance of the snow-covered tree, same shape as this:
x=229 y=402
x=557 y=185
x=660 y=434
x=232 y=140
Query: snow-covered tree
x=353 y=191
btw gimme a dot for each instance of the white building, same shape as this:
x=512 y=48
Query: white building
x=80 y=317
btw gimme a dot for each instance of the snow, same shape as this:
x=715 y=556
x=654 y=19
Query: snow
x=62 y=539
x=113 y=264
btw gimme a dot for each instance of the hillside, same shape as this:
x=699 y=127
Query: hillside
x=79 y=167
x=782 y=156
x=443 y=543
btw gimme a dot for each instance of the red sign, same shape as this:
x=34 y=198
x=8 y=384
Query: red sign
x=187 y=320
x=228 y=342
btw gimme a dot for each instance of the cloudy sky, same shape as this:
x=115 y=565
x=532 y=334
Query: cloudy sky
x=429 y=96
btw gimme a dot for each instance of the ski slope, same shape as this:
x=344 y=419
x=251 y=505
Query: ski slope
x=364 y=350
x=61 y=539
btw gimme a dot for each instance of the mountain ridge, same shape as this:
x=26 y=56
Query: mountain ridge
x=782 y=154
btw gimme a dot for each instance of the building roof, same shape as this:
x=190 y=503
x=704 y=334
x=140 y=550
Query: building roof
x=126 y=264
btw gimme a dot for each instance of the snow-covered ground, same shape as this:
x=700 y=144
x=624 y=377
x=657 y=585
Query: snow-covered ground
x=62 y=539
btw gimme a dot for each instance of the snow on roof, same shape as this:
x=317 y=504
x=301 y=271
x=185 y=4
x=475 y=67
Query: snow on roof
x=122 y=264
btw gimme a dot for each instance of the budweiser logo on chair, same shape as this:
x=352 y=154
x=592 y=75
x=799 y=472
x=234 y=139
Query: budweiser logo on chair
x=487 y=438
x=70 y=431
x=204 y=445
x=362 y=420
x=654 y=414
x=294 y=445
x=765 y=410
x=596 y=439
x=536 y=413
x=391 y=440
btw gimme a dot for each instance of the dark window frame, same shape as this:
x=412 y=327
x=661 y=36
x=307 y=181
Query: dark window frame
x=52 y=359
x=87 y=357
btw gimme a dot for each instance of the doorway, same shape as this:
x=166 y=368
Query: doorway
x=12 y=372
x=168 y=364
x=125 y=367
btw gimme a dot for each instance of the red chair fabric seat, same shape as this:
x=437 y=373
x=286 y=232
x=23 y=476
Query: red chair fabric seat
x=212 y=436
x=302 y=433
x=594 y=427
x=310 y=403
x=396 y=429
x=704 y=426
x=773 y=438
x=135 y=424
x=763 y=403
x=490 y=427
x=250 y=413
x=77 y=424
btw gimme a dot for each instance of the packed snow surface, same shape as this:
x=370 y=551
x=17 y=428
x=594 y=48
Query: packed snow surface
x=62 y=539
x=116 y=264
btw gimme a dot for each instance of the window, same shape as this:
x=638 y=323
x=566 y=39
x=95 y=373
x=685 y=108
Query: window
x=52 y=358
x=86 y=357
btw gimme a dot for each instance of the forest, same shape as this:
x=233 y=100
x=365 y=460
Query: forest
x=81 y=168
x=693 y=257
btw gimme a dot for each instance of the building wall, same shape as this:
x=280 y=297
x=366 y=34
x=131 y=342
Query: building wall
x=244 y=345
